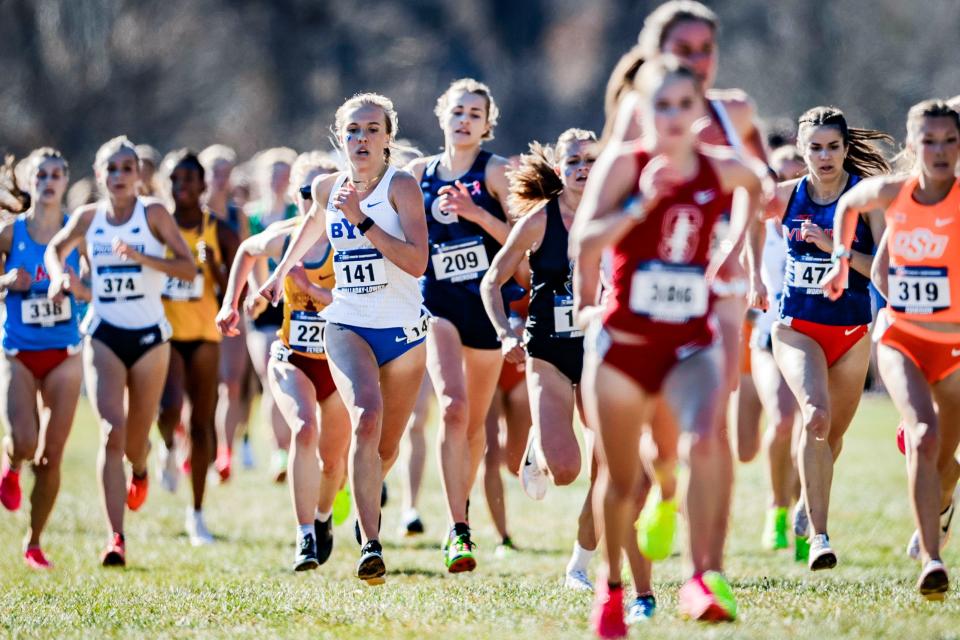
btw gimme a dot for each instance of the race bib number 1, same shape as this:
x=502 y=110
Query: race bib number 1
x=460 y=260
x=669 y=293
x=118 y=283
x=563 y=326
x=44 y=312
x=919 y=290
x=360 y=270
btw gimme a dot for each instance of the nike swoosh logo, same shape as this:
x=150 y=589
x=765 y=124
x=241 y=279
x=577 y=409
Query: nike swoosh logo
x=850 y=332
x=946 y=527
x=942 y=223
x=403 y=339
x=373 y=204
x=955 y=353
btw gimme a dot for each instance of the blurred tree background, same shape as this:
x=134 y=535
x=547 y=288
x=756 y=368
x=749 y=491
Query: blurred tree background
x=257 y=73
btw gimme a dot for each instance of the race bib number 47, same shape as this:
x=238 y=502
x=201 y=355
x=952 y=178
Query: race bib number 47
x=921 y=290
x=460 y=260
x=360 y=270
x=669 y=293
x=809 y=274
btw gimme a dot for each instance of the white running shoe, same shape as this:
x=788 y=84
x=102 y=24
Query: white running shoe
x=946 y=518
x=801 y=525
x=197 y=528
x=167 y=468
x=533 y=477
x=577 y=580
x=822 y=555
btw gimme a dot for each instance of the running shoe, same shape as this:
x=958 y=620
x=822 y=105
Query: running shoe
x=383 y=494
x=607 y=617
x=458 y=554
x=411 y=525
x=533 y=476
x=278 y=465
x=577 y=580
x=708 y=597
x=246 y=454
x=933 y=583
x=370 y=568
x=775 y=529
x=10 y=493
x=35 y=559
x=356 y=527
x=946 y=518
x=901 y=439
x=801 y=525
x=115 y=555
x=801 y=549
x=223 y=463
x=167 y=468
x=324 y=539
x=341 y=506
x=305 y=558
x=137 y=491
x=822 y=555
x=505 y=549
x=641 y=609
x=656 y=527
x=197 y=529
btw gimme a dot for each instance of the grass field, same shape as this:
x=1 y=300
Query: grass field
x=242 y=586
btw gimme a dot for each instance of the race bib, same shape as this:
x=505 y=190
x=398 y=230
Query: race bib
x=669 y=293
x=118 y=283
x=460 y=260
x=919 y=289
x=43 y=312
x=183 y=290
x=360 y=270
x=809 y=275
x=417 y=331
x=563 y=326
x=306 y=331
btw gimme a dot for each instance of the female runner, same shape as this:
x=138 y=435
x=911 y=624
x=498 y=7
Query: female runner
x=125 y=242
x=376 y=327
x=40 y=369
x=918 y=271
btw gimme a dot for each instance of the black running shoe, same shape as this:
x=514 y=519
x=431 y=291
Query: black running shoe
x=414 y=527
x=306 y=557
x=371 y=568
x=324 y=533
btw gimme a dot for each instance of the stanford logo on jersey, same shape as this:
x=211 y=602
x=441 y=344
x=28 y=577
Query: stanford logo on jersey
x=919 y=244
x=680 y=233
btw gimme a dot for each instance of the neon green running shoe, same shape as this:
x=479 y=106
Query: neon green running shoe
x=458 y=553
x=656 y=527
x=801 y=549
x=717 y=583
x=775 y=529
x=341 y=506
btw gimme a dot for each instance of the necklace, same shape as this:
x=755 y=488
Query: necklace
x=366 y=183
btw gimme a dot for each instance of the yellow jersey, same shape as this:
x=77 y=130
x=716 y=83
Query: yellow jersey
x=191 y=305
x=302 y=327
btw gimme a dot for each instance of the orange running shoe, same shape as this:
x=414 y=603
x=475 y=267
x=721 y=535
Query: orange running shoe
x=137 y=492
x=115 y=555
x=10 y=494
x=35 y=559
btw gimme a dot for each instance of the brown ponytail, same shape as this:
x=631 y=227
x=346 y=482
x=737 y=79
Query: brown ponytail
x=534 y=181
x=864 y=157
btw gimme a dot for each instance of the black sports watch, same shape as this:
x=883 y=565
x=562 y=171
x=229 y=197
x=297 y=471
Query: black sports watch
x=364 y=226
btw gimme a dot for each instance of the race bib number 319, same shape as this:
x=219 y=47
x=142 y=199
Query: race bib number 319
x=920 y=290
x=669 y=293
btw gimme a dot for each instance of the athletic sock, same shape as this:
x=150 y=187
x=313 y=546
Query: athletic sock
x=304 y=529
x=580 y=559
x=461 y=528
x=323 y=516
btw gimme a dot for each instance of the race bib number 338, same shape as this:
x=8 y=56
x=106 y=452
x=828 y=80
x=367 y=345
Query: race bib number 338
x=44 y=312
x=669 y=293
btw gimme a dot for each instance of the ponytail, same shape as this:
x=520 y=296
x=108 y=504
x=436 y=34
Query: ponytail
x=534 y=181
x=864 y=157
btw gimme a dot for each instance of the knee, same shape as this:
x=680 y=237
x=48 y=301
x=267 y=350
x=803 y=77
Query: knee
x=230 y=389
x=25 y=447
x=454 y=413
x=367 y=426
x=114 y=437
x=817 y=423
x=307 y=435
x=332 y=467
x=925 y=441
x=565 y=472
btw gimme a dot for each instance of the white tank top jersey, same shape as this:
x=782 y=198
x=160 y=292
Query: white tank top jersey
x=371 y=291
x=772 y=269
x=125 y=294
x=730 y=131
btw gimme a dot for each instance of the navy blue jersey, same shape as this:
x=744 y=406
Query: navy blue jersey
x=807 y=265
x=551 y=287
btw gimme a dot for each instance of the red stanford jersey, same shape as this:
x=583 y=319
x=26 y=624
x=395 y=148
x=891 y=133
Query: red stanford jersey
x=658 y=267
